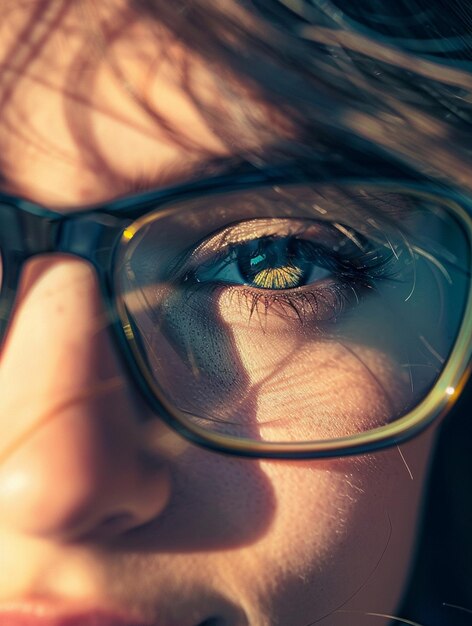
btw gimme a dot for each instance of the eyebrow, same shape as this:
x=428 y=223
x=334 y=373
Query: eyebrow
x=361 y=208
x=166 y=177
x=178 y=172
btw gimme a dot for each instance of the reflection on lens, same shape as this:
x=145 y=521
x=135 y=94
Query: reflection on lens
x=295 y=314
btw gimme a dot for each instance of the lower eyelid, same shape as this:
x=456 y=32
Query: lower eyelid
x=307 y=305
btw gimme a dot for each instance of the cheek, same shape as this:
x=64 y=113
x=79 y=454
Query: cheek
x=341 y=541
x=291 y=543
x=308 y=383
x=267 y=376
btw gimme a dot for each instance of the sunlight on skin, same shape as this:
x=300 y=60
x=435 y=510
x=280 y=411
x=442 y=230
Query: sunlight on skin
x=72 y=141
x=293 y=368
x=274 y=372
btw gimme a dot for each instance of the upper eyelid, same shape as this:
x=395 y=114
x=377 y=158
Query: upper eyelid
x=217 y=243
x=248 y=230
x=218 y=246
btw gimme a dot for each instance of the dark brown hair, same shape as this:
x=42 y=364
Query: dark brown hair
x=391 y=76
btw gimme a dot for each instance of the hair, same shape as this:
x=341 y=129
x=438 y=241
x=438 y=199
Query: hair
x=389 y=77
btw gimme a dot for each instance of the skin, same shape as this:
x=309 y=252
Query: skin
x=86 y=512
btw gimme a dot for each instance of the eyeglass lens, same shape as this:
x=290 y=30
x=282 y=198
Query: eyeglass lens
x=296 y=313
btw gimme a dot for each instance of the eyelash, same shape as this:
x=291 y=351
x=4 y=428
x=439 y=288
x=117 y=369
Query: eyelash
x=302 y=306
x=353 y=274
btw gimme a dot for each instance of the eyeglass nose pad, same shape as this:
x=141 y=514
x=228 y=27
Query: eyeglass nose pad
x=77 y=420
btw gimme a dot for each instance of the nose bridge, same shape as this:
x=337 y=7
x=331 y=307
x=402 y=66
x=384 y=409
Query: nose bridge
x=58 y=311
x=28 y=229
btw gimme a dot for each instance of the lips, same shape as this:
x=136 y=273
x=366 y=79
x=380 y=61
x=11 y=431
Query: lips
x=37 y=614
x=85 y=619
x=55 y=612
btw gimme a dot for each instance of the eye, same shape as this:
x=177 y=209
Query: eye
x=300 y=270
x=276 y=263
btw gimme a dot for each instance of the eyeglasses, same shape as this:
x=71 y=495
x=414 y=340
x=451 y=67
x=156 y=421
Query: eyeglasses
x=276 y=316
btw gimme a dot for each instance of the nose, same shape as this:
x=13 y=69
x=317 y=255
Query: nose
x=72 y=463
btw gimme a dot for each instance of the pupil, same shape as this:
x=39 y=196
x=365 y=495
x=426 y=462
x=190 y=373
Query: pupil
x=273 y=264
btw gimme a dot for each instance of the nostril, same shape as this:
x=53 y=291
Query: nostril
x=213 y=621
x=114 y=524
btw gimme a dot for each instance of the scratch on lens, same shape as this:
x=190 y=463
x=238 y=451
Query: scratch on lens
x=431 y=349
x=434 y=261
x=404 y=461
x=401 y=620
x=456 y=606
x=320 y=209
x=350 y=235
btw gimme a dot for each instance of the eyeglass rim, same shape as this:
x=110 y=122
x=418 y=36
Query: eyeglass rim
x=436 y=404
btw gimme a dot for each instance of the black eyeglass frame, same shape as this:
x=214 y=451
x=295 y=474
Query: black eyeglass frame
x=95 y=233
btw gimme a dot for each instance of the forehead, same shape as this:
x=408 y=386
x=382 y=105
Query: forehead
x=96 y=98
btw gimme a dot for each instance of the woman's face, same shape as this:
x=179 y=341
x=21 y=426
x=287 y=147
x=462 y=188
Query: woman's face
x=88 y=519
